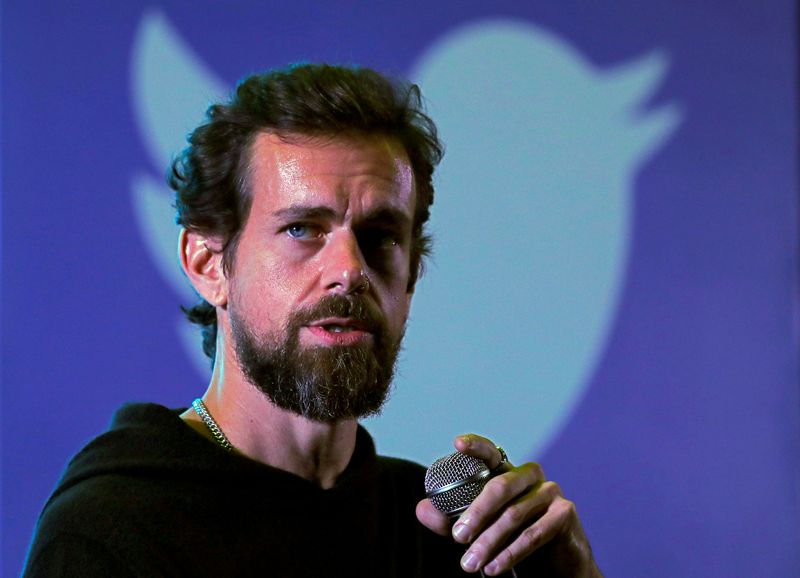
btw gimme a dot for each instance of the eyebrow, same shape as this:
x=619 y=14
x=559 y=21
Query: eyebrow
x=387 y=216
x=382 y=215
x=299 y=213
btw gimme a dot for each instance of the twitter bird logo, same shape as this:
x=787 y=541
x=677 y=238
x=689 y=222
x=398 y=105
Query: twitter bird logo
x=532 y=222
x=532 y=226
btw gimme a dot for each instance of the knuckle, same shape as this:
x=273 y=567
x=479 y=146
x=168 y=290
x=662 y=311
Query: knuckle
x=552 y=489
x=531 y=537
x=499 y=487
x=565 y=513
x=536 y=471
x=530 y=471
x=481 y=545
x=514 y=515
x=568 y=508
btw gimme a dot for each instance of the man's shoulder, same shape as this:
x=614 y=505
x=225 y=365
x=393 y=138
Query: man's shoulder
x=141 y=438
x=139 y=434
x=96 y=506
x=146 y=443
x=122 y=493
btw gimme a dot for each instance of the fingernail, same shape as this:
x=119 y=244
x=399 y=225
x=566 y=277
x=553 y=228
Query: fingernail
x=469 y=562
x=461 y=532
x=491 y=567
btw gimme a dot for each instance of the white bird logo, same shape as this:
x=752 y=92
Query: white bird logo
x=532 y=222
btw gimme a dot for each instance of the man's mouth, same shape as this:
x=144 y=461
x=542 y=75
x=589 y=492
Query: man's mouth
x=340 y=330
x=332 y=328
x=341 y=325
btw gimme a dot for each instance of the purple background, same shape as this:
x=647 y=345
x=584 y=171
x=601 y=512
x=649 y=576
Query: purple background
x=682 y=456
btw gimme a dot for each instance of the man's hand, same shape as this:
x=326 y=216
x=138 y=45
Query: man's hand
x=519 y=514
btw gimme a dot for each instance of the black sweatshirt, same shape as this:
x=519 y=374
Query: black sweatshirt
x=151 y=497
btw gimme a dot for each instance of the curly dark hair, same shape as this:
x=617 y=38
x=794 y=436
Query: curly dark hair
x=315 y=100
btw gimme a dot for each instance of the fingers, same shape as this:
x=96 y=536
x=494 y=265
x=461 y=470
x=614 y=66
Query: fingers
x=479 y=447
x=432 y=518
x=558 y=536
x=497 y=494
x=554 y=516
x=516 y=513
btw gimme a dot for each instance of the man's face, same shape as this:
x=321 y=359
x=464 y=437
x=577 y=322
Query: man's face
x=306 y=328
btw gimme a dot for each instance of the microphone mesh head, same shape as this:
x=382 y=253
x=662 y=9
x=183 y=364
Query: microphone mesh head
x=451 y=469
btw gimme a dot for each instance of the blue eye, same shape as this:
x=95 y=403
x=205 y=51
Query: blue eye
x=296 y=231
x=300 y=231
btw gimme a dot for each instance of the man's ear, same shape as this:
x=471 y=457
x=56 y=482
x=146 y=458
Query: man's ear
x=201 y=259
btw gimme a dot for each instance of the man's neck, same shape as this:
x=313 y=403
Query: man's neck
x=257 y=428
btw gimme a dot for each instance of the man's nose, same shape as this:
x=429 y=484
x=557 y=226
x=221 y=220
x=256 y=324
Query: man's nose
x=344 y=266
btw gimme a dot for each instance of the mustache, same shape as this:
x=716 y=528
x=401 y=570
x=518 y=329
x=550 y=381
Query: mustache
x=355 y=307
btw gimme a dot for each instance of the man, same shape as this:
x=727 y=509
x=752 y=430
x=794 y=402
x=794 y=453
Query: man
x=303 y=203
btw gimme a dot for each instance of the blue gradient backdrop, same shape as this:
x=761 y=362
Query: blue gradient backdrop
x=615 y=288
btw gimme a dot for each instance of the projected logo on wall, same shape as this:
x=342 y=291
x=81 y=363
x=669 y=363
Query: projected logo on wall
x=531 y=222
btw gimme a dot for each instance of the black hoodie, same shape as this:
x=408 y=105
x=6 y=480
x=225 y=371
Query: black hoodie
x=151 y=498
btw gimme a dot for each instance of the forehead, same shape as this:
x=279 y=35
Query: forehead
x=342 y=172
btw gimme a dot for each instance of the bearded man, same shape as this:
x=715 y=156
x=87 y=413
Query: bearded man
x=303 y=202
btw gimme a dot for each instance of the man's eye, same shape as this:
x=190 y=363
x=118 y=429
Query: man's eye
x=389 y=240
x=302 y=231
x=380 y=239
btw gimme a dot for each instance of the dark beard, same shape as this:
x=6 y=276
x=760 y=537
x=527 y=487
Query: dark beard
x=323 y=384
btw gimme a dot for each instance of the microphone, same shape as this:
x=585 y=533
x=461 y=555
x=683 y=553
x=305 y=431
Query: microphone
x=454 y=481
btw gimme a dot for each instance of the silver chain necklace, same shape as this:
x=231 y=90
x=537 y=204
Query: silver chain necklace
x=216 y=431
